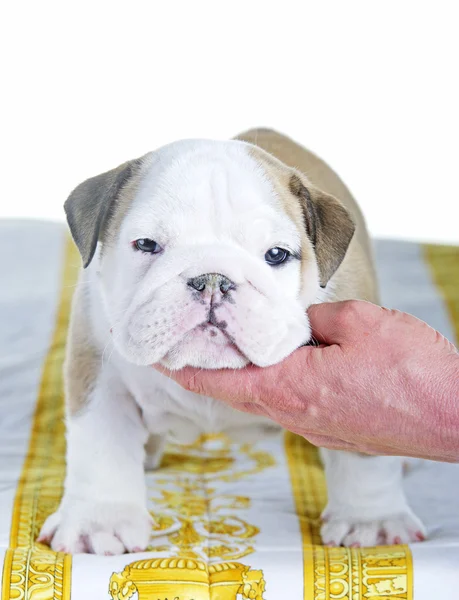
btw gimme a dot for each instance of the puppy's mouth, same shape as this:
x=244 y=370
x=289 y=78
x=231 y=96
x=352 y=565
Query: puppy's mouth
x=217 y=332
x=208 y=345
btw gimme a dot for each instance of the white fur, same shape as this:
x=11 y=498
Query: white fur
x=103 y=509
x=212 y=209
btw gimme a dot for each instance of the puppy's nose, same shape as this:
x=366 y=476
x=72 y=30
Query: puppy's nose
x=211 y=282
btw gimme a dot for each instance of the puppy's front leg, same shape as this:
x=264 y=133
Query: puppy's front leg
x=366 y=502
x=154 y=449
x=103 y=510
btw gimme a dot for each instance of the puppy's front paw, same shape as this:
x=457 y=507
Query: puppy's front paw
x=106 y=528
x=352 y=531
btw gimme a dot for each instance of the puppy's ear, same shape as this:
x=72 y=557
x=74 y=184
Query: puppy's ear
x=91 y=204
x=328 y=224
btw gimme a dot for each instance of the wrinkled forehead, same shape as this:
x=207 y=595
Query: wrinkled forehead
x=198 y=188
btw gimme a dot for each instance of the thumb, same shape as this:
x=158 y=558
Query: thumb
x=342 y=322
x=233 y=386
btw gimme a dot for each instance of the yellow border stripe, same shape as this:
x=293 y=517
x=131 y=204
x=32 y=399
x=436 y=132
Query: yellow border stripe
x=444 y=264
x=6 y=578
x=309 y=492
x=340 y=573
x=30 y=569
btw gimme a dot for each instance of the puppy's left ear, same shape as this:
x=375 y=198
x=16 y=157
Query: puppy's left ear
x=329 y=226
x=90 y=206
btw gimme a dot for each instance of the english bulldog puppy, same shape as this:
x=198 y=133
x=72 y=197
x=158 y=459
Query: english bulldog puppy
x=204 y=253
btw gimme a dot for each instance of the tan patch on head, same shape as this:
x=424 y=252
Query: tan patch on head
x=356 y=277
x=92 y=207
x=281 y=178
x=325 y=225
x=123 y=203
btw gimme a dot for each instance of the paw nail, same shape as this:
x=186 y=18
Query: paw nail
x=331 y=544
x=106 y=553
x=355 y=545
x=397 y=540
x=137 y=549
x=420 y=536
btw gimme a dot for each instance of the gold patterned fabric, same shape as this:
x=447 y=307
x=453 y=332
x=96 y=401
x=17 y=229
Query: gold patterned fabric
x=231 y=521
x=33 y=571
x=340 y=573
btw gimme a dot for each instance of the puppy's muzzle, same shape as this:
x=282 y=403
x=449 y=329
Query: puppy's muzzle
x=211 y=282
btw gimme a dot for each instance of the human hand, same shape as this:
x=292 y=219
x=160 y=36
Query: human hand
x=381 y=382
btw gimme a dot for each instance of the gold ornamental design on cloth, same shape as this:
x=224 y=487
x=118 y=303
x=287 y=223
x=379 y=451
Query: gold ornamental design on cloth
x=187 y=579
x=194 y=515
x=381 y=573
x=361 y=573
x=32 y=571
x=197 y=526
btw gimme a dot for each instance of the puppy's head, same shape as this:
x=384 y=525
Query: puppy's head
x=208 y=253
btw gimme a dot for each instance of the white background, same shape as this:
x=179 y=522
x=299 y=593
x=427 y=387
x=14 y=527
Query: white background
x=371 y=87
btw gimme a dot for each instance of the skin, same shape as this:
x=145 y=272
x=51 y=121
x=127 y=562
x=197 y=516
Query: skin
x=380 y=382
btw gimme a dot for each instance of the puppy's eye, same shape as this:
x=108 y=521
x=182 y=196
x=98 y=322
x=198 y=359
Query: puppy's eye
x=276 y=256
x=147 y=245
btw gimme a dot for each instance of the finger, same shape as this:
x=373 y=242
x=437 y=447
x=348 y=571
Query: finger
x=234 y=387
x=252 y=407
x=343 y=322
x=325 y=441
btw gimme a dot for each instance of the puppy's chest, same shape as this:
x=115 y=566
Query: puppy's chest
x=183 y=416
